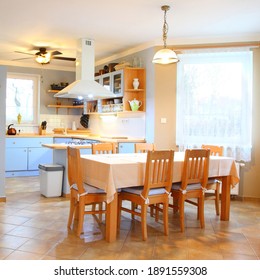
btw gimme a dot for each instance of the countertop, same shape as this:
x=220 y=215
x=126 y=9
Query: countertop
x=115 y=139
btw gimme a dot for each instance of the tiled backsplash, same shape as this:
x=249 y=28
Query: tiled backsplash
x=117 y=126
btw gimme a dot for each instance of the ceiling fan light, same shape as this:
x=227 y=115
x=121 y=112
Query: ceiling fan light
x=43 y=58
x=165 y=56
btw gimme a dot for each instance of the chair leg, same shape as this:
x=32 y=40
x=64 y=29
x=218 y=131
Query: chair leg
x=165 y=218
x=72 y=210
x=81 y=217
x=175 y=205
x=217 y=198
x=133 y=207
x=119 y=205
x=181 y=210
x=143 y=221
x=201 y=211
x=100 y=208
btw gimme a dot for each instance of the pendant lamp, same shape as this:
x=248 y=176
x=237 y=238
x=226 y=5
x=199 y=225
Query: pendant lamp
x=165 y=55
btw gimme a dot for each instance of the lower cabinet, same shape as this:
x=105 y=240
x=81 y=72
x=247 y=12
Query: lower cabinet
x=23 y=155
x=125 y=148
x=16 y=159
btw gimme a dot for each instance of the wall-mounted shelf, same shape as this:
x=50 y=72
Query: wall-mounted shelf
x=65 y=107
x=60 y=106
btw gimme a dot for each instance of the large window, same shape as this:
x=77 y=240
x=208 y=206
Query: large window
x=214 y=100
x=22 y=98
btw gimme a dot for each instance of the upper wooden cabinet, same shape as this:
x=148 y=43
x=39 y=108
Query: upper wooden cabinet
x=121 y=84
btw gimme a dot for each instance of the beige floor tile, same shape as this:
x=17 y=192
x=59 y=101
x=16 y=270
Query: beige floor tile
x=33 y=227
x=4 y=253
x=11 y=242
x=19 y=255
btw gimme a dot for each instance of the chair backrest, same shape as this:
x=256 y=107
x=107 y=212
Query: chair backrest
x=195 y=168
x=74 y=168
x=144 y=147
x=214 y=150
x=159 y=170
x=103 y=148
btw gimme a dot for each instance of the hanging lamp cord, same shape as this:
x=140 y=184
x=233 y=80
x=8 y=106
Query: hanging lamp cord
x=165 y=25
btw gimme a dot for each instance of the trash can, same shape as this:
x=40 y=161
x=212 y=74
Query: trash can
x=51 y=179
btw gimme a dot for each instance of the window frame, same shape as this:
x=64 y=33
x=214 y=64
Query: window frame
x=36 y=97
x=239 y=148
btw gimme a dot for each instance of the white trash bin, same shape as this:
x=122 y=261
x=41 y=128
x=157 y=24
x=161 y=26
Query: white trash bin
x=51 y=179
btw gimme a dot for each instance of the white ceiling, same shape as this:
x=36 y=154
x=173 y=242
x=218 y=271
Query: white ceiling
x=118 y=26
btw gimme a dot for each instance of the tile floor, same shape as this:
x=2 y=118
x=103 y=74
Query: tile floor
x=33 y=227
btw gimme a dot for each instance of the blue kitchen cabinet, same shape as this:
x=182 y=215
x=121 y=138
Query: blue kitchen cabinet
x=38 y=156
x=125 y=148
x=25 y=154
x=16 y=159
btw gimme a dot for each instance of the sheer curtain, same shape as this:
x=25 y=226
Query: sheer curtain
x=214 y=100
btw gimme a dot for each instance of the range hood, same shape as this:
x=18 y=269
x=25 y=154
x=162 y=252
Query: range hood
x=85 y=87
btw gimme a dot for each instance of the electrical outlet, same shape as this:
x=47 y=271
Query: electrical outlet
x=163 y=120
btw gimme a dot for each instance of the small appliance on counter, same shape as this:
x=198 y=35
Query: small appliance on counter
x=11 y=130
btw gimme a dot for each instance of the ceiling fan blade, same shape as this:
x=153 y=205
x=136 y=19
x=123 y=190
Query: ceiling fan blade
x=64 y=58
x=22 y=58
x=55 y=53
x=24 y=53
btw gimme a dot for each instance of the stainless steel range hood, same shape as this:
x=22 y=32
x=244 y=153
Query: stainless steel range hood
x=85 y=87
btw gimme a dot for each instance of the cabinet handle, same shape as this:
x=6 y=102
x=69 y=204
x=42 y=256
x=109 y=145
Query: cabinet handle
x=14 y=143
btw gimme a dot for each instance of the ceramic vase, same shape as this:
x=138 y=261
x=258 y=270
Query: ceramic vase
x=136 y=83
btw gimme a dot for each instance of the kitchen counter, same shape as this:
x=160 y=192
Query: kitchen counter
x=115 y=139
x=64 y=146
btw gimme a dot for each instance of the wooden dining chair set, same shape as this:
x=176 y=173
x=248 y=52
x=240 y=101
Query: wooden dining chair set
x=155 y=192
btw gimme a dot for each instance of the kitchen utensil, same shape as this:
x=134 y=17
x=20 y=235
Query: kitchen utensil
x=11 y=130
x=84 y=120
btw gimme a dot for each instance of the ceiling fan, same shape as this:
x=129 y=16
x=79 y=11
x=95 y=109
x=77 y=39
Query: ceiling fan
x=43 y=56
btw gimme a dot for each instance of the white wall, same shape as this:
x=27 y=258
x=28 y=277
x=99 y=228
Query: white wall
x=2 y=130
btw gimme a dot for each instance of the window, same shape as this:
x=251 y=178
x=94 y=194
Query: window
x=22 y=98
x=214 y=100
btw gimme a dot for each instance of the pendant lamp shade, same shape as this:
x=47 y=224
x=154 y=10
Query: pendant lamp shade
x=165 y=55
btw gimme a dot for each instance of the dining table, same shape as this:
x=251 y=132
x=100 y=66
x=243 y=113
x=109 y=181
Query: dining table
x=112 y=172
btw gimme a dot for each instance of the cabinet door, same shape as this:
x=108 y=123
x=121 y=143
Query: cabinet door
x=38 y=156
x=16 y=159
x=125 y=148
x=117 y=83
x=106 y=81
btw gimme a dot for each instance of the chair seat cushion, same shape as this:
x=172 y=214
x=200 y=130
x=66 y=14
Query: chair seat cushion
x=138 y=190
x=190 y=187
x=89 y=189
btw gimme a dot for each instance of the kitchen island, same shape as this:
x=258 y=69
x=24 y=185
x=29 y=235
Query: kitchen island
x=34 y=149
x=123 y=145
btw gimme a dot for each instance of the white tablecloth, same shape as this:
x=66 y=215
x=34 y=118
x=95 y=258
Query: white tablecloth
x=111 y=172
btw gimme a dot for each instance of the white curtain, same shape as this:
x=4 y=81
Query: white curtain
x=214 y=100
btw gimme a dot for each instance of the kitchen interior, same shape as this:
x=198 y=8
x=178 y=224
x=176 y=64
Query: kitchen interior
x=125 y=120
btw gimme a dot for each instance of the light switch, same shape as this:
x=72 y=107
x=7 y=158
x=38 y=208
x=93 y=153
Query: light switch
x=163 y=120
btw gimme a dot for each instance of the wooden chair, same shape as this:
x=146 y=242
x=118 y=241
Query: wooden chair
x=193 y=183
x=156 y=189
x=103 y=148
x=214 y=184
x=144 y=147
x=81 y=194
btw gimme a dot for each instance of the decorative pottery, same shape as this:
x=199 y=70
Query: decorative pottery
x=136 y=83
